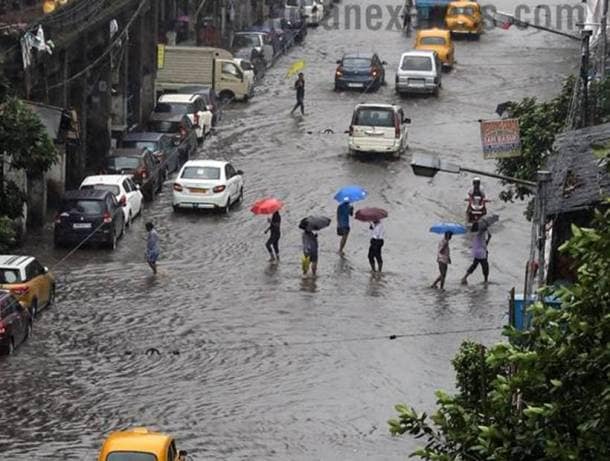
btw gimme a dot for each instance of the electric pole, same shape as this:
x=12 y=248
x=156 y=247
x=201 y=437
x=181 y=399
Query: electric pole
x=604 y=45
x=584 y=75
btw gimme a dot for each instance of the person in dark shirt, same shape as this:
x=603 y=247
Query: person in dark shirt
x=274 y=237
x=310 y=252
x=299 y=86
x=344 y=211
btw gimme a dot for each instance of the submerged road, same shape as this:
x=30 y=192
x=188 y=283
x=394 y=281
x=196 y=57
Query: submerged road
x=256 y=362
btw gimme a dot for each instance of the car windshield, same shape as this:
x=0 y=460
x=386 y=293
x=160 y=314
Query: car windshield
x=245 y=41
x=130 y=456
x=150 y=145
x=123 y=163
x=162 y=126
x=466 y=10
x=9 y=275
x=356 y=62
x=420 y=63
x=433 y=41
x=93 y=207
x=201 y=172
x=109 y=187
x=292 y=2
x=375 y=117
x=173 y=108
x=308 y=2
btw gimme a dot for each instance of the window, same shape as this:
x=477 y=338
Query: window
x=111 y=203
x=245 y=65
x=356 y=63
x=172 y=108
x=465 y=10
x=230 y=69
x=151 y=145
x=201 y=172
x=230 y=171
x=127 y=186
x=433 y=41
x=375 y=117
x=130 y=456
x=245 y=41
x=123 y=163
x=162 y=126
x=132 y=185
x=33 y=270
x=172 y=453
x=416 y=63
x=90 y=207
x=109 y=187
x=9 y=275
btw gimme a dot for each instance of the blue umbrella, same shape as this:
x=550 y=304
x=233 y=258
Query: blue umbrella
x=351 y=194
x=454 y=228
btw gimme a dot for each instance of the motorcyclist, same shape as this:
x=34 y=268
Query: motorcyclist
x=476 y=190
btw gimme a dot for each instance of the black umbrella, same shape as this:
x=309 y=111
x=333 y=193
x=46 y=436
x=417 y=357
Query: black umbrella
x=487 y=221
x=314 y=223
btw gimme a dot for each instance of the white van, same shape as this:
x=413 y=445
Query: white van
x=378 y=128
x=419 y=72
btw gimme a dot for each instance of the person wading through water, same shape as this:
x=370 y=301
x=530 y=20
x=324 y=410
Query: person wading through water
x=274 y=238
x=299 y=86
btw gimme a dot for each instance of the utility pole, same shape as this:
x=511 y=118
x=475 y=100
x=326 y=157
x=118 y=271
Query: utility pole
x=604 y=37
x=584 y=75
x=543 y=178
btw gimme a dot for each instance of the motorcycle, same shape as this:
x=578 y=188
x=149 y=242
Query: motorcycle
x=476 y=208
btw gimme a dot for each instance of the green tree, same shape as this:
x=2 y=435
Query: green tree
x=545 y=395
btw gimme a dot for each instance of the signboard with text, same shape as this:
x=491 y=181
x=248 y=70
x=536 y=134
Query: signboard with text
x=500 y=138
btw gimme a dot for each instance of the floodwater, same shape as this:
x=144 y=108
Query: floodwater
x=255 y=361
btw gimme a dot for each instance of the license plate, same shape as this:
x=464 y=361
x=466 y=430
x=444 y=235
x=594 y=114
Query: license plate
x=84 y=225
x=198 y=191
x=355 y=85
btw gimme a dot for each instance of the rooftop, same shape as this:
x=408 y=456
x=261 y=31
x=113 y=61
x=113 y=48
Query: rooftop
x=580 y=175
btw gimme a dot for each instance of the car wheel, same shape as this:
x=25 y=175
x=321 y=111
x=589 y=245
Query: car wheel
x=34 y=308
x=51 y=296
x=226 y=97
x=227 y=208
x=240 y=198
x=176 y=208
x=112 y=241
x=28 y=331
x=122 y=230
x=11 y=346
x=128 y=222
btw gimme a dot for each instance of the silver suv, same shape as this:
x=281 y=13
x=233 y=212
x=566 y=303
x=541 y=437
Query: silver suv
x=419 y=72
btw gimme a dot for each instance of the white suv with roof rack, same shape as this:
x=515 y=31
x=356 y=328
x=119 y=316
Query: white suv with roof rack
x=192 y=105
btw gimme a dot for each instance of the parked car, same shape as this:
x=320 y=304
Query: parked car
x=464 y=17
x=190 y=104
x=270 y=36
x=257 y=62
x=361 y=71
x=209 y=97
x=210 y=184
x=438 y=40
x=161 y=145
x=28 y=280
x=419 y=72
x=124 y=189
x=278 y=26
x=91 y=216
x=297 y=25
x=247 y=68
x=182 y=131
x=314 y=12
x=145 y=169
x=378 y=128
x=15 y=322
x=140 y=444
x=259 y=44
x=294 y=15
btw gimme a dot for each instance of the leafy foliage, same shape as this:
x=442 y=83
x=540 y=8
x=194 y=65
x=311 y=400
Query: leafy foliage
x=24 y=139
x=539 y=123
x=11 y=200
x=7 y=234
x=543 y=396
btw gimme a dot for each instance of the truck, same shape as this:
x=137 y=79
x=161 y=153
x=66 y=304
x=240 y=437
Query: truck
x=179 y=66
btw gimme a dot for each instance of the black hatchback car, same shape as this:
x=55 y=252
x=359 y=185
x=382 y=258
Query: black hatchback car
x=89 y=216
x=15 y=322
x=182 y=130
x=147 y=171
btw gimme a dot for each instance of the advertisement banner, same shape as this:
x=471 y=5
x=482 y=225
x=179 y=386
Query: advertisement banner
x=500 y=138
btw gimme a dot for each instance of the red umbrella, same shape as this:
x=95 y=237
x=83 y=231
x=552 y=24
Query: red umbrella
x=266 y=206
x=371 y=214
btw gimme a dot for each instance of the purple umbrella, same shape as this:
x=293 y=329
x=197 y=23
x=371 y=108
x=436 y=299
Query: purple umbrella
x=371 y=214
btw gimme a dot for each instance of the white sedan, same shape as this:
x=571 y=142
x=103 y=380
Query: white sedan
x=124 y=189
x=207 y=184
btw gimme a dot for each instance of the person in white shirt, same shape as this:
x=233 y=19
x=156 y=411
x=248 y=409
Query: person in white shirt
x=376 y=245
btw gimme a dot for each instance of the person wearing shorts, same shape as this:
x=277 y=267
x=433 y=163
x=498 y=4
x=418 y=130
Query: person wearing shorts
x=310 y=252
x=344 y=211
x=443 y=258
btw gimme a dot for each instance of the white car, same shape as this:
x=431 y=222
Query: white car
x=207 y=184
x=378 y=128
x=192 y=105
x=247 y=68
x=314 y=12
x=124 y=189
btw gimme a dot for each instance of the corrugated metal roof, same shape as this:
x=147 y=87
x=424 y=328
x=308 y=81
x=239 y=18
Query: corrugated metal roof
x=579 y=178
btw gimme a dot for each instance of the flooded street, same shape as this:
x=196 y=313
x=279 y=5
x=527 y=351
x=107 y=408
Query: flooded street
x=256 y=362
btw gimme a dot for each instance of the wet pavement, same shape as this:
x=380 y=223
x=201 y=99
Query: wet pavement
x=256 y=362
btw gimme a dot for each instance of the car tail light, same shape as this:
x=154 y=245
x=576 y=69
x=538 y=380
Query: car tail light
x=123 y=200
x=107 y=218
x=339 y=72
x=178 y=187
x=20 y=290
x=219 y=189
x=2 y=327
x=397 y=127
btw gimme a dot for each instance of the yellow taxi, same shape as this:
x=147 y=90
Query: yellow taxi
x=464 y=17
x=28 y=280
x=140 y=444
x=438 y=40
